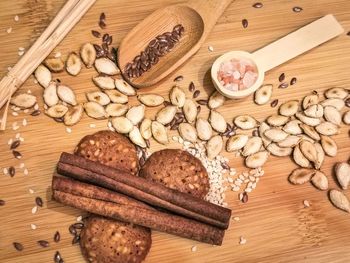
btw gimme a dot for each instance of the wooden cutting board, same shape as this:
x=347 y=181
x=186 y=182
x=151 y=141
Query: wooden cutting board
x=274 y=221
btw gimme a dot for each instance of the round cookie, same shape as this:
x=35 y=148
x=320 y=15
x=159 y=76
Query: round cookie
x=111 y=149
x=105 y=241
x=178 y=170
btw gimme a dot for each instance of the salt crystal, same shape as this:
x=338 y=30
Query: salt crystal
x=34 y=209
x=10 y=141
x=210 y=48
x=68 y=130
x=33 y=226
x=9 y=30
x=36 y=106
x=5 y=171
x=24 y=122
x=16 y=18
x=194 y=248
x=25 y=171
x=79 y=218
x=31 y=191
x=236 y=218
x=21 y=165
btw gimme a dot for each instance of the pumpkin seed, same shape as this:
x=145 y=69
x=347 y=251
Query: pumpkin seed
x=190 y=110
x=99 y=97
x=106 y=66
x=216 y=100
x=336 y=93
x=306 y=138
x=73 y=64
x=339 y=200
x=320 y=156
x=166 y=114
x=204 y=129
x=252 y=146
x=292 y=127
x=122 y=125
x=342 y=172
x=56 y=111
x=332 y=115
x=136 y=137
x=43 y=76
x=346 y=118
x=104 y=82
x=159 y=132
x=145 y=129
x=310 y=131
x=336 y=103
x=24 y=100
x=310 y=100
x=217 y=121
x=257 y=160
x=188 y=132
x=290 y=141
x=245 y=122
x=263 y=94
x=327 y=128
x=66 y=94
x=177 y=96
x=289 y=108
x=136 y=114
x=262 y=128
x=301 y=176
x=116 y=96
x=236 y=142
x=116 y=109
x=54 y=64
x=95 y=110
x=73 y=115
x=88 y=54
x=277 y=120
x=308 y=120
x=299 y=158
x=124 y=87
x=275 y=135
x=320 y=181
x=309 y=151
x=274 y=149
x=50 y=94
x=329 y=146
x=214 y=146
x=314 y=111
x=150 y=100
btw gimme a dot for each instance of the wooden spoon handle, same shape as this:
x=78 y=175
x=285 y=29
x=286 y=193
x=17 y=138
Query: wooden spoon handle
x=298 y=42
x=210 y=11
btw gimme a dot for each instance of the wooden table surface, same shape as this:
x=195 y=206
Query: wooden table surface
x=275 y=223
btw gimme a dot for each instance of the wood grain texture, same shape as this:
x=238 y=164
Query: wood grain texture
x=274 y=222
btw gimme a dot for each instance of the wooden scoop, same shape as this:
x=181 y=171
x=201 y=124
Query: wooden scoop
x=198 y=17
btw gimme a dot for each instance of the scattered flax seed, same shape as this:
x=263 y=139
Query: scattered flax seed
x=25 y=171
x=210 y=48
x=34 y=209
x=9 y=30
x=12 y=171
x=39 y=201
x=33 y=226
x=242 y=240
x=194 y=248
x=57 y=237
x=18 y=246
x=68 y=130
x=245 y=23
x=16 y=18
x=2 y=202
x=306 y=203
x=43 y=243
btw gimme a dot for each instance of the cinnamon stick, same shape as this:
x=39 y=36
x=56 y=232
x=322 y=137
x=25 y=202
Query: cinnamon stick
x=154 y=219
x=139 y=188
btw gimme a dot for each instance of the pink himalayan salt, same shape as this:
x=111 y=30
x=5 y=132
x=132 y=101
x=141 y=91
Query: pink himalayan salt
x=237 y=74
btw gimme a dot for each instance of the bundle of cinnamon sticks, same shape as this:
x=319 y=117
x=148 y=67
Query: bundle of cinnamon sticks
x=113 y=193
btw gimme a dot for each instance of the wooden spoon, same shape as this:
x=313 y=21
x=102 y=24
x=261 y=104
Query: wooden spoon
x=198 y=18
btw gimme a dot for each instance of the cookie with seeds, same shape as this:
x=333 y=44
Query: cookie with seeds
x=178 y=170
x=103 y=240
x=111 y=149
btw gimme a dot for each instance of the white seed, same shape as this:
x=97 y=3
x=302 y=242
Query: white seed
x=275 y=134
x=314 y=111
x=124 y=87
x=327 y=128
x=310 y=100
x=337 y=93
x=263 y=94
x=116 y=109
x=320 y=156
x=236 y=142
x=290 y=141
x=95 y=110
x=33 y=226
x=337 y=103
x=159 y=132
x=104 y=82
x=310 y=131
x=194 y=248
x=332 y=115
x=245 y=122
x=277 y=120
x=274 y=149
x=214 y=146
x=34 y=210
x=122 y=125
x=43 y=76
x=23 y=100
x=145 y=129
x=66 y=94
x=73 y=64
x=306 y=203
x=99 y=97
x=116 y=96
x=299 y=158
x=301 y=176
x=216 y=100
x=188 y=132
x=150 y=100
x=217 y=121
x=136 y=137
x=309 y=151
x=56 y=111
x=252 y=146
x=68 y=130
x=88 y=54
x=136 y=114
x=346 y=117
x=166 y=114
x=308 y=120
x=204 y=129
x=339 y=200
x=73 y=115
x=256 y=160
x=342 y=172
x=190 y=110
x=289 y=108
x=292 y=127
x=106 y=66
x=242 y=240
x=54 y=64
x=262 y=128
x=50 y=94
x=31 y=191
x=329 y=146
x=177 y=96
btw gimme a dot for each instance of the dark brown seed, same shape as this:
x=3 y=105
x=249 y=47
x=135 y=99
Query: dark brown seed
x=196 y=94
x=347 y=102
x=39 y=201
x=245 y=23
x=59 y=120
x=72 y=230
x=225 y=165
x=57 y=258
x=98 y=48
x=102 y=24
x=43 y=243
x=258 y=5
x=245 y=197
x=293 y=81
x=191 y=87
x=177 y=28
x=109 y=40
x=274 y=103
x=58 y=80
x=2 y=202
x=105 y=48
x=297 y=9
x=76 y=239
x=314 y=92
x=103 y=16
x=78 y=225
x=35 y=113
x=202 y=102
x=167 y=103
x=15 y=144
x=179 y=78
x=283 y=85
x=281 y=77
x=105 y=37
x=12 y=171
x=348 y=33
x=96 y=33
x=17 y=154
x=179 y=115
x=148 y=144
x=18 y=246
x=174 y=127
x=255 y=133
x=57 y=237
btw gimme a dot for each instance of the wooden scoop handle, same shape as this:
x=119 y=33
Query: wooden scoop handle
x=298 y=42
